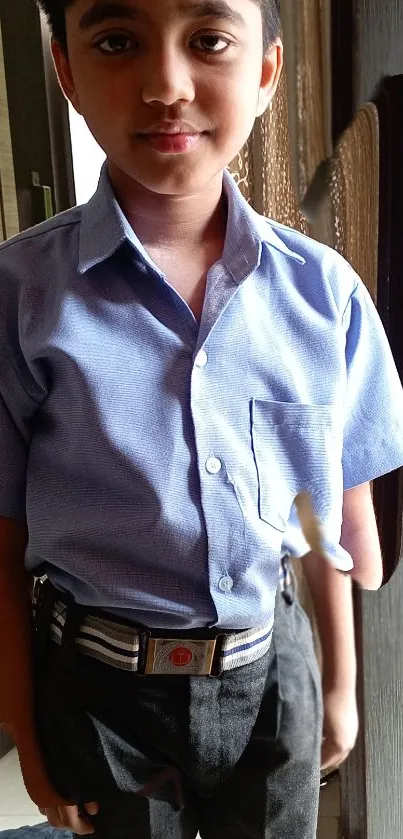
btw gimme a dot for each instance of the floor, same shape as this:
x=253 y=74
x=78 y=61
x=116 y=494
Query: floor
x=17 y=810
x=329 y=814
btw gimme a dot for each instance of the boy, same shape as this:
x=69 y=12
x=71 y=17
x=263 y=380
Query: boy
x=176 y=369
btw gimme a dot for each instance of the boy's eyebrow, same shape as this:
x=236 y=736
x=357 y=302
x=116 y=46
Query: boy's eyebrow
x=212 y=8
x=107 y=9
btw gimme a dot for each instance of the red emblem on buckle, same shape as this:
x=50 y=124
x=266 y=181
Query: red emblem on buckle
x=180 y=656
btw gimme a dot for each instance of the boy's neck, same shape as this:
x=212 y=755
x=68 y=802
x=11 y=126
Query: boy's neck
x=173 y=222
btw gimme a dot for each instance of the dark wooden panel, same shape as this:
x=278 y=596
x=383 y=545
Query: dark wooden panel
x=23 y=59
x=372 y=781
x=382 y=614
x=58 y=116
x=343 y=40
x=354 y=809
x=38 y=111
x=379 y=44
x=383 y=702
x=389 y=102
x=378 y=52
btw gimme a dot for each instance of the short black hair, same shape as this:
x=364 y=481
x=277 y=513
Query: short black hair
x=55 y=11
x=271 y=21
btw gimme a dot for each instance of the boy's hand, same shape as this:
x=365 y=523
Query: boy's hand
x=70 y=817
x=340 y=726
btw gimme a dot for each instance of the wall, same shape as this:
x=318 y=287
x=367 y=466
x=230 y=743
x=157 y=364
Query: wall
x=88 y=158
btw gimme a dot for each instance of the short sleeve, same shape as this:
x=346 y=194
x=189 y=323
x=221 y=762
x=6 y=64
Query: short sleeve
x=13 y=460
x=295 y=544
x=18 y=399
x=17 y=409
x=373 y=409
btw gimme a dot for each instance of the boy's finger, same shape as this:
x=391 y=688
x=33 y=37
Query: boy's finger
x=92 y=808
x=70 y=818
x=52 y=815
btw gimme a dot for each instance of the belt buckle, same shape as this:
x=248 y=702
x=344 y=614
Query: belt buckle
x=179 y=657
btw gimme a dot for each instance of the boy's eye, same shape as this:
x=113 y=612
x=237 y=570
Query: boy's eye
x=211 y=43
x=115 y=44
x=120 y=43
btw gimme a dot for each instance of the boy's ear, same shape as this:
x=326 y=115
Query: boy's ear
x=271 y=71
x=64 y=74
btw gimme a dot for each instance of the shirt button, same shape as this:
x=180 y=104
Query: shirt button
x=226 y=584
x=213 y=465
x=201 y=359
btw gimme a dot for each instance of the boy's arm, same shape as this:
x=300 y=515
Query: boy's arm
x=333 y=604
x=331 y=594
x=17 y=711
x=360 y=538
x=16 y=673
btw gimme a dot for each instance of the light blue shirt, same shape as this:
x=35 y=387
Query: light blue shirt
x=155 y=458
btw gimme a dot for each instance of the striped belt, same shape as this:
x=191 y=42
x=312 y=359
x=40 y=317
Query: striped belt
x=122 y=646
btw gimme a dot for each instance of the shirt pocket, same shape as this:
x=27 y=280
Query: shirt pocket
x=297 y=448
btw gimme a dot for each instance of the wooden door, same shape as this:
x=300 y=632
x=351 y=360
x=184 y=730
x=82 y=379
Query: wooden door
x=9 y=224
x=38 y=116
x=8 y=212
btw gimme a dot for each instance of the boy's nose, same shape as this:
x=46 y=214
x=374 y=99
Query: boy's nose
x=168 y=81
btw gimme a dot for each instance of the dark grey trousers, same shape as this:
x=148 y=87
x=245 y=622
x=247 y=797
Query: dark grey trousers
x=234 y=757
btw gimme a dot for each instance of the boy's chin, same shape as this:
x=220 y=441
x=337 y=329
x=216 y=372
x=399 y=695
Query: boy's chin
x=179 y=183
x=174 y=175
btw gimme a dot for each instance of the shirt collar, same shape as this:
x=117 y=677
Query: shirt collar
x=247 y=231
x=104 y=228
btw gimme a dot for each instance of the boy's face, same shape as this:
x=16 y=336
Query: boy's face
x=169 y=88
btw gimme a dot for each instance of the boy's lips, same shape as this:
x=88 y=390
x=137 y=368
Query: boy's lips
x=172 y=137
x=171 y=127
